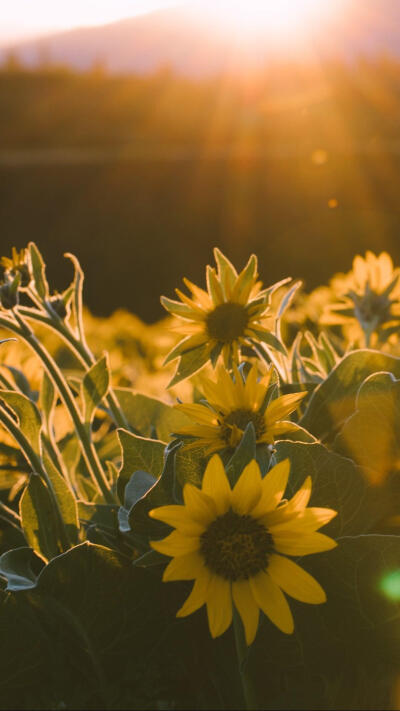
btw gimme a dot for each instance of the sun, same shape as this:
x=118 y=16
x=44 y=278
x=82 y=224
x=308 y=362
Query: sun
x=271 y=18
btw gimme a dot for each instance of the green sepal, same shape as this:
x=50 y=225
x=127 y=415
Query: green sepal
x=190 y=363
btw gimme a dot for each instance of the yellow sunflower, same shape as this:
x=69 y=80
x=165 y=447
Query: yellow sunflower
x=223 y=318
x=233 y=543
x=370 y=295
x=231 y=405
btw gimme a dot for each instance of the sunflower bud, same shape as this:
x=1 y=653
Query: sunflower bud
x=58 y=305
x=9 y=296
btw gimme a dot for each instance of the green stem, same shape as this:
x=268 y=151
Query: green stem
x=37 y=467
x=56 y=376
x=10 y=513
x=242 y=651
x=80 y=349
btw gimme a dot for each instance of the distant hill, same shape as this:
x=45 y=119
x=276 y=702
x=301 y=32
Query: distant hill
x=180 y=39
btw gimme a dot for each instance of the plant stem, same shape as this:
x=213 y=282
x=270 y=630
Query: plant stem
x=81 y=350
x=242 y=651
x=56 y=376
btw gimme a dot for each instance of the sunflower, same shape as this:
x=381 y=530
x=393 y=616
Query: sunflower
x=233 y=543
x=370 y=295
x=223 y=318
x=231 y=405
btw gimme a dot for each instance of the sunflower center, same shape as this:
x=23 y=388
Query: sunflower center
x=236 y=547
x=241 y=419
x=227 y=322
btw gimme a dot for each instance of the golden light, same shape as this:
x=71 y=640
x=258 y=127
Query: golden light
x=273 y=18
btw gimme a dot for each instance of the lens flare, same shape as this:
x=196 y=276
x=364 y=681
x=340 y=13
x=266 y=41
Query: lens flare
x=390 y=585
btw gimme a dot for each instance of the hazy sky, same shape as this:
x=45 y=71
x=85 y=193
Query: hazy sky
x=24 y=18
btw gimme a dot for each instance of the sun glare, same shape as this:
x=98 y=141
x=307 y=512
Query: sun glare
x=277 y=18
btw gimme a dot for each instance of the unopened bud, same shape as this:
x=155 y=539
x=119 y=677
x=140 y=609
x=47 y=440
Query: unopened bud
x=9 y=296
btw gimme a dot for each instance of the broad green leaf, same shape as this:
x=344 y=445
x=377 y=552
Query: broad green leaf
x=144 y=413
x=243 y=454
x=48 y=397
x=38 y=271
x=161 y=493
x=20 y=567
x=190 y=363
x=334 y=400
x=337 y=483
x=137 y=487
x=39 y=522
x=95 y=386
x=21 y=382
x=138 y=453
x=190 y=463
x=371 y=435
x=29 y=419
x=66 y=501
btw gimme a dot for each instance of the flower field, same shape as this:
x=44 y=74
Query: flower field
x=204 y=512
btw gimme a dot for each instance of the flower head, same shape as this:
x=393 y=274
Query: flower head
x=18 y=264
x=226 y=316
x=370 y=294
x=231 y=405
x=233 y=543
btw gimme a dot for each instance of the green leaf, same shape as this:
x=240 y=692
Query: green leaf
x=48 y=397
x=144 y=413
x=137 y=487
x=95 y=386
x=65 y=499
x=190 y=363
x=21 y=382
x=29 y=420
x=336 y=483
x=333 y=401
x=138 y=453
x=160 y=494
x=371 y=435
x=39 y=523
x=190 y=464
x=20 y=567
x=243 y=454
x=38 y=271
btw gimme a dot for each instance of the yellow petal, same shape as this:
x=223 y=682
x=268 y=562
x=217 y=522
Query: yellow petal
x=281 y=407
x=247 y=608
x=247 y=490
x=184 y=567
x=295 y=581
x=216 y=485
x=176 y=544
x=199 y=505
x=273 y=487
x=295 y=544
x=301 y=498
x=199 y=294
x=198 y=413
x=197 y=597
x=219 y=605
x=272 y=602
x=178 y=517
x=307 y=520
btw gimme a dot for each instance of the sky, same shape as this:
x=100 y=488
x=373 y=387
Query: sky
x=20 y=19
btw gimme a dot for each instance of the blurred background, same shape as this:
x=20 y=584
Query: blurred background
x=139 y=135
